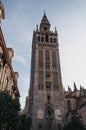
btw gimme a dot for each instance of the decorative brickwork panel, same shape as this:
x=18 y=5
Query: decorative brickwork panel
x=54 y=59
x=47 y=59
x=40 y=80
x=47 y=55
x=40 y=58
x=47 y=65
x=55 y=80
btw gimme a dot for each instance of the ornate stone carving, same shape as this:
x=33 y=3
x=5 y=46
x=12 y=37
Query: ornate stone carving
x=40 y=114
x=58 y=115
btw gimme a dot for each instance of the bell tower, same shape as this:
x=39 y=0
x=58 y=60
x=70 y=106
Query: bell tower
x=46 y=98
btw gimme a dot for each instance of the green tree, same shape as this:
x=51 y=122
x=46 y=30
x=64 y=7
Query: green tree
x=9 y=112
x=25 y=122
x=74 y=124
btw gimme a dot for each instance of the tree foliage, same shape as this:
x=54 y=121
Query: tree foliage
x=74 y=124
x=25 y=122
x=9 y=112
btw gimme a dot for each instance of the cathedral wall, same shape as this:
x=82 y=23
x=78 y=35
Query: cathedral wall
x=83 y=114
x=72 y=103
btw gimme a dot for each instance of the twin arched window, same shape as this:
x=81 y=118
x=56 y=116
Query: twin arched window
x=46 y=39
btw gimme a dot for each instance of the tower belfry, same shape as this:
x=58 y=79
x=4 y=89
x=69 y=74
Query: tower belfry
x=46 y=98
x=45 y=24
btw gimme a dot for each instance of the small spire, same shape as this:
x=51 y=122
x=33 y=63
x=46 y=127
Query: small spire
x=69 y=89
x=45 y=24
x=2 y=13
x=37 y=27
x=81 y=88
x=55 y=30
x=45 y=20
x=44 y=13
x=75 y=88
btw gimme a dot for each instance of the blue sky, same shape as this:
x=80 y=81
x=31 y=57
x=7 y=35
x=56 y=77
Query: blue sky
x=68 y=16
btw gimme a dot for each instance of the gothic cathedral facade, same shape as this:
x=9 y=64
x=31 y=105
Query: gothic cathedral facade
x=46 y=96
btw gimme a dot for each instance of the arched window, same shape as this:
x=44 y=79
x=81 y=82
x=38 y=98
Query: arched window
x=54 y=40
x=51 y=40
x=69 y=107
x=48 y=98
x=38 y=38
x=42 y=39
x=46 y=38
x=49 y=112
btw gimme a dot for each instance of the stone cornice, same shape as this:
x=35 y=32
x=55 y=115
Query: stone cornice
x=3 y=44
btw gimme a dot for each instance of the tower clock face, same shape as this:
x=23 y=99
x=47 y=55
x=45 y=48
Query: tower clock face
x=45 y=28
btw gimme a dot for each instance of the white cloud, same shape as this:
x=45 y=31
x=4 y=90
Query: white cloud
x=24 y=87
x=21 y=60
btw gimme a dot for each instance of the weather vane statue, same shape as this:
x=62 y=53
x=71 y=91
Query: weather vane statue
x=2 y=14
